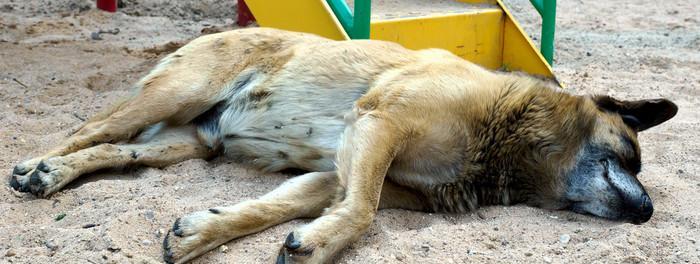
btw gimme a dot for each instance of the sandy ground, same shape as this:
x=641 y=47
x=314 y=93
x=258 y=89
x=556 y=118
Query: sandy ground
x=53 y=75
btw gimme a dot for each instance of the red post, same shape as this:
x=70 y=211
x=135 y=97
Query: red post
x=244 y=14
x=107 y=5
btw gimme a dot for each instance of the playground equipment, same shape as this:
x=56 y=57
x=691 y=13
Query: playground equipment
x=107 y=5
x=483 y=32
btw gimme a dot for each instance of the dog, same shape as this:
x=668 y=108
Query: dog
x=375 y=125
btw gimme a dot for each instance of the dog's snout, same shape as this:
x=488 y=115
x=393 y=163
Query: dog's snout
x=647 y=208
x=644 y=210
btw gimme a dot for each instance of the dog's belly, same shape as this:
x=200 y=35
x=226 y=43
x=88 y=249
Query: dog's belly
x=287 y=121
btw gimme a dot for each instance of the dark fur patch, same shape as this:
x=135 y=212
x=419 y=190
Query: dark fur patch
x=633 y=163
x=258 y=95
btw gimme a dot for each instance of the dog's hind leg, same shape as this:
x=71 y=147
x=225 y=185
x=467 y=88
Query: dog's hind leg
x=169 y=146
x=196 y=233
x=166 y=95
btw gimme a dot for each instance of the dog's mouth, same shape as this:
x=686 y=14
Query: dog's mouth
x=577 y=207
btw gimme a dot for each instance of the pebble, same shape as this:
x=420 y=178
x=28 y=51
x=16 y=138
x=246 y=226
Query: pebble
x=564 y=239
x=547 y=260
x=95 y=36
x=149 y=215
x=425 y=247
x=223 y=248
x=10 y=253
x=51 y=245
x=528 y=254
x=147 y=242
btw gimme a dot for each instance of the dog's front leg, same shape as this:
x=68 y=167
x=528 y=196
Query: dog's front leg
x=196 y=233
x=368 y=147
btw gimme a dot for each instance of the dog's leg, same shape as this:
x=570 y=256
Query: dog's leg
x=169 y=146
x=303 y=196
x=162 y=98
x=368 y=147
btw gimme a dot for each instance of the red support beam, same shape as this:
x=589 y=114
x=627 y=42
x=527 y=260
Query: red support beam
x=107 y=5
x=245 y=17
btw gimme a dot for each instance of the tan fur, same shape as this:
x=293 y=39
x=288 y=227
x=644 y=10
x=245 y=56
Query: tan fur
x=421 y=130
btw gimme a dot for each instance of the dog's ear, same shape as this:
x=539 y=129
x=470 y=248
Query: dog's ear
x=639 y=115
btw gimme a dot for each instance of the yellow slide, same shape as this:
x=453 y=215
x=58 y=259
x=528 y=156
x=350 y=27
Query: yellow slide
x=481 y=31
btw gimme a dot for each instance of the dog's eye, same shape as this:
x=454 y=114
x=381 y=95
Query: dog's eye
x=604 y=163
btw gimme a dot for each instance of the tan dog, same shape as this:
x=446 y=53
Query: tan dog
x=378 y=126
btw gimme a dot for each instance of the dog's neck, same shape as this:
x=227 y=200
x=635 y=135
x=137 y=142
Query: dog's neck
x=529 y=131
x=533 y=132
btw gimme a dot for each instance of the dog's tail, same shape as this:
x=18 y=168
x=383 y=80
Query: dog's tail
x=207 y=125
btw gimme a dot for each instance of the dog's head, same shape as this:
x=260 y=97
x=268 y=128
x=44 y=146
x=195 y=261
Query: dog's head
x=603 y=179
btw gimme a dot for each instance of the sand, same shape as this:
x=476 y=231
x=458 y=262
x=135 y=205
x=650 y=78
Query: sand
x=53 y=75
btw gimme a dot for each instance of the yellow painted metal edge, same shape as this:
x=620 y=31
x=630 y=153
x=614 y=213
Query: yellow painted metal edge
x=312 y=16
x=336 y=22
x=433 y=16
x=477 y=1
x=544 y=68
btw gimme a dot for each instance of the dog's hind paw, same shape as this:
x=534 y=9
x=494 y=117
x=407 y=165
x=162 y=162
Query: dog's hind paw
x=193 y=235
x=49 y=176
x=19 y=180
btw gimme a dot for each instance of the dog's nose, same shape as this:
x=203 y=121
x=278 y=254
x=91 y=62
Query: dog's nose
x=646 y=209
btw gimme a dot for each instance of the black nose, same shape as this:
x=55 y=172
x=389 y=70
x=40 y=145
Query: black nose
x=646 y=209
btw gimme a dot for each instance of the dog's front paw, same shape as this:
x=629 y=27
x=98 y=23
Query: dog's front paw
x=193 y=235
x=48 y=177
x=19 y=180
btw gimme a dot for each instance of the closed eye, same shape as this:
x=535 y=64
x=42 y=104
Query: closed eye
x=604 y=163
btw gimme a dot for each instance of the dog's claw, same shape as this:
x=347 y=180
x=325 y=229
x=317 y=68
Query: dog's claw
x=20 y=170
x=14 y=183
x=167 y=253
x=43 y=167
x=281 y=257
x=35 y=184
x=292 y=250
x=176 y=228
x=19 y=178
x=292 y=243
